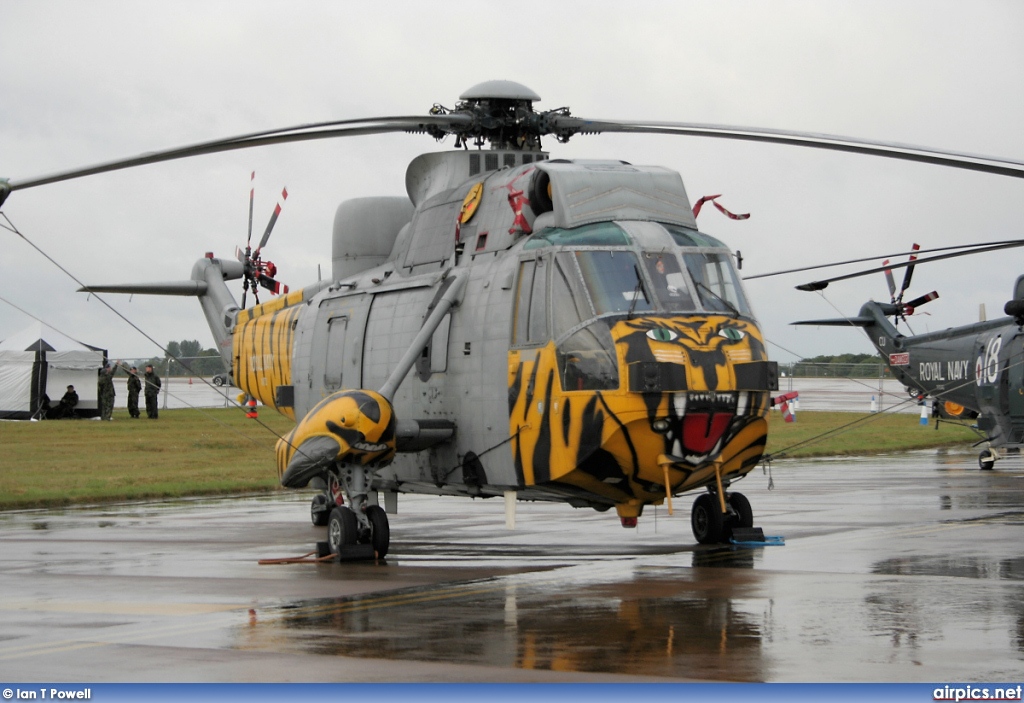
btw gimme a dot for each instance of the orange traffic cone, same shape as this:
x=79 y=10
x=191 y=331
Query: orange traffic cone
x=251 y=412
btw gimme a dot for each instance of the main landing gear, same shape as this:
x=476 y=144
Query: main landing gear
x=710 y=525
x=348 y=528
x=987 y=459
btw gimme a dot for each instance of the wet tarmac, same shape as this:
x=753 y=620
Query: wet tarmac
x=905 y=568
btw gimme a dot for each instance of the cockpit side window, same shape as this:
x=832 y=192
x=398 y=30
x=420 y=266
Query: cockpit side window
x=715 y=280
x=571 y=301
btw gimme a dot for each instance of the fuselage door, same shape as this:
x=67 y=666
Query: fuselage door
x=334 y=363
x=1015 y=372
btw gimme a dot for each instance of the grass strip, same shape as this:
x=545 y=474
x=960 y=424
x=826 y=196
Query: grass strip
x=183 y=453
x=882 y=433
x=219 y=451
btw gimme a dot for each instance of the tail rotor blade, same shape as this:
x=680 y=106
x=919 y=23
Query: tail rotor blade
x=273 y=221
x=919 y=301
x=271 y=284
x=910 y=271
x=892 y=283
x=252 y=194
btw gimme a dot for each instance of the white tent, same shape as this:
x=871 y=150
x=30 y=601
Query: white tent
x=38 y=364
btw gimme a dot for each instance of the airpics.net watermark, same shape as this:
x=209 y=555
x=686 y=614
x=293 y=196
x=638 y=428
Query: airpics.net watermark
x=978 y=693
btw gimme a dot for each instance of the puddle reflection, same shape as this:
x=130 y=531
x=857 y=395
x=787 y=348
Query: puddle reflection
x=703 y=623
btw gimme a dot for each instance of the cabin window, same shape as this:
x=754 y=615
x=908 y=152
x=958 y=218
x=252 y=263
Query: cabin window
x=439 y=346
x=531 y=313
x=521 y=319
x=538 y=331
x=587 y=361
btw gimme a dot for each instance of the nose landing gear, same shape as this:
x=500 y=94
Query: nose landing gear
x=357 y=532
x=710 y=525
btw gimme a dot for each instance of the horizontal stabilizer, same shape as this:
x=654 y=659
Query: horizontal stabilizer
x=187 y=288
x=859 y=321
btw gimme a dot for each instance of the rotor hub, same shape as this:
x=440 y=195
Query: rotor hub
x=500 y=113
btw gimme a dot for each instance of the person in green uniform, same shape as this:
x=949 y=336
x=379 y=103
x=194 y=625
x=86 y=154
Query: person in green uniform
x=105 y=391
x=134 y=388
x=152 y=392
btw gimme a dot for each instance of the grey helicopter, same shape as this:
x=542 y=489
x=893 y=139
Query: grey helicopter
x=518 y=326
x=972 y=373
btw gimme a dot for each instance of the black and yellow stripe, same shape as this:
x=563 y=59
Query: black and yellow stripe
x=604 y=442
x=261 y=348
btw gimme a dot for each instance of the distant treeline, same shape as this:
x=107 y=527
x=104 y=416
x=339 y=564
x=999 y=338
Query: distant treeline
x=185 y=358
x=838 y=365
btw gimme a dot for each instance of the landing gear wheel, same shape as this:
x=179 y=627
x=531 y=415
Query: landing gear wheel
x=380 y=535
x=986 y=460
x=744 y=513
x=342 y=529
x=706 y=519
x=319 y=510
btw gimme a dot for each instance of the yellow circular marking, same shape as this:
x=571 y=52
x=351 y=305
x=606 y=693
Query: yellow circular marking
x=472 y=202
x=954 y=409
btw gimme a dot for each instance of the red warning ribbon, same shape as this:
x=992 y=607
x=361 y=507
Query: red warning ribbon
x=782 y=401
x=712 y=198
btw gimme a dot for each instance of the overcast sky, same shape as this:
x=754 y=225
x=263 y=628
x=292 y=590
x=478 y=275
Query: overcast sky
x=90 y=82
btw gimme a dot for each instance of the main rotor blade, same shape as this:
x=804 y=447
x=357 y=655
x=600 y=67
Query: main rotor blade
x=819 y=285
x=322 y=130
x=894 y=150
x=880 y=256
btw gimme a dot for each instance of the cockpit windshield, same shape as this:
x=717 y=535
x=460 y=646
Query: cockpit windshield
x=600 y=269
x=574 y=284
x=714 y=278
x=613 y=280
x=670 y=285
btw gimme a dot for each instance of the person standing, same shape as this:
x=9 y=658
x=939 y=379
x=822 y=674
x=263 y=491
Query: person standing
x=134 y=387
x=152 y=392
x=105 y=391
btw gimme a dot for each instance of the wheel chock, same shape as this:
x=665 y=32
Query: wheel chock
x=754 y=537
x=356 y=552
x=748 y=534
